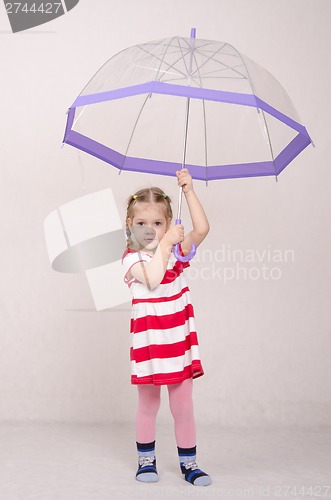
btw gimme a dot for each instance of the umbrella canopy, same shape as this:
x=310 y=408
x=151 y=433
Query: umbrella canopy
x=159 y=105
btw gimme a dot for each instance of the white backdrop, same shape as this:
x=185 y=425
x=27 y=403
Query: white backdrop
x=264 y=332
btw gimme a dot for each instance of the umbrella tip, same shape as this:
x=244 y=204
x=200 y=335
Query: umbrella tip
x=193 y=32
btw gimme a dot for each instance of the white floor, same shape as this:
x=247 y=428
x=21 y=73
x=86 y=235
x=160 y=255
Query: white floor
x=98 y=462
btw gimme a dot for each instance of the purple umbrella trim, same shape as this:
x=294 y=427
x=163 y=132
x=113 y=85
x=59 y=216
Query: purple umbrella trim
x=197 y=171
x=193 y=92
x=153 y=166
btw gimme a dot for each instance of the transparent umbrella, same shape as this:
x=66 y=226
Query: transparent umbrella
x=181 y=102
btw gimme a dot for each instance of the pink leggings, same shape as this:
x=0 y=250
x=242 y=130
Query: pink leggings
x=181 y=406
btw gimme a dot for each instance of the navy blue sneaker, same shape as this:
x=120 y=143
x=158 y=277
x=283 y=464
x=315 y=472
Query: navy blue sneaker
x=194 y=475
x=147 y=469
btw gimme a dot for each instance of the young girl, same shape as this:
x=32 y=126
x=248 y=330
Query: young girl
x=164 y=344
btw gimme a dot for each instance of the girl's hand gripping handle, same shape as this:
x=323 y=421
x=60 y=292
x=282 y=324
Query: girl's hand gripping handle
x=184 y=258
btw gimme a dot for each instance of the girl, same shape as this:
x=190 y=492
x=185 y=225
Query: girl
x=164 y=344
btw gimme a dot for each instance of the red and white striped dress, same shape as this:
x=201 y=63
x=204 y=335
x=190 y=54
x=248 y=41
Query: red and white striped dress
x=164 y=343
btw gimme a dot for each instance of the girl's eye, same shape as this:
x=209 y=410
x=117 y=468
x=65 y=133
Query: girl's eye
x=158 y=223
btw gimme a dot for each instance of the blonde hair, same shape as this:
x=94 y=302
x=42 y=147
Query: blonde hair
x=147 y=195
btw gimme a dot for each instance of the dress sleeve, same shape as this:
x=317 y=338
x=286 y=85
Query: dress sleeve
x=128 y=261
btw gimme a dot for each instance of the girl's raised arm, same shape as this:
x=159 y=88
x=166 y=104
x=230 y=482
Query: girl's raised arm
x=152 y=273
x=199 y=219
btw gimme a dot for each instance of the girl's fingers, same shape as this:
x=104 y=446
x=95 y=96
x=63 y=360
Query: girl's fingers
x=184 y=171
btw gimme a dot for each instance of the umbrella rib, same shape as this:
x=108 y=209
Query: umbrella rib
x=211 y=57
x=208 y=59
x=142 y=107
x=233 y=68
x=191 y=75
x=77 y=118
x=184 y=76
x=188 y=72
x=100 y=69
x=173 y=66
x=258 y=110
x=199 y=51
x=183 y=57
x=268 y=138
x=154 y=69
x=204 y=123
x=207 y=52
x=162 y=60
x=200 y=46
x=225 y=77
x=133 y=130
x=222 y=69
x=248 y=76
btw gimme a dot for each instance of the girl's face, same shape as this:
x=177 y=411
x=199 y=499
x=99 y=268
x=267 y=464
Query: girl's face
x=148 y=225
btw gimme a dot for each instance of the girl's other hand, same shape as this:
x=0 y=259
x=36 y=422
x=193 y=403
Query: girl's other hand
x=175 y=234
x=184 y=180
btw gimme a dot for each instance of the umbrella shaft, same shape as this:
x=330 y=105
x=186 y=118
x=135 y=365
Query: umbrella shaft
x=184 y=153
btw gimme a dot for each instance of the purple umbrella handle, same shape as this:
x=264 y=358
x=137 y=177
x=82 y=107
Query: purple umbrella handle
x=184 y=258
